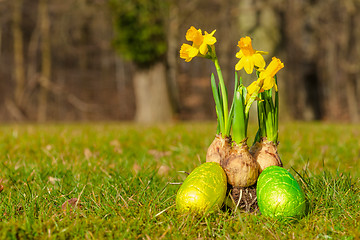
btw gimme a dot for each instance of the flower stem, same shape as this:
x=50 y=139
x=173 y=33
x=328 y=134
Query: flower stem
x=218 y=106
x=276 y=113
x=223 y=93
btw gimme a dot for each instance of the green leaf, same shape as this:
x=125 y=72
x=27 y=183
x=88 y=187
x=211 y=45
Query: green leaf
x=257 y=136
x=261 y=116
x=269 y=119
x=218 y=105
x=276 y=127
x=239 y=122
x=231 y=112
x=223 y=93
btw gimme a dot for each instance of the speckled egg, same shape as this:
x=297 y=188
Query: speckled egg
x=203 y=190
x=279 y=195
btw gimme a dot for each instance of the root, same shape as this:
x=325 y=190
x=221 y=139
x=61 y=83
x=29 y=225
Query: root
x=244 y=198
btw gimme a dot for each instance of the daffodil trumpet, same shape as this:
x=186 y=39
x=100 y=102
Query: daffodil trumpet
x=264 y=148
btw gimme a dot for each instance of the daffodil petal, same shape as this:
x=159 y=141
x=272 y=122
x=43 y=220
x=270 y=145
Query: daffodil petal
x=184 y=52
x=248 y=65
x=262 y=74
x=239 y=54
x=193 y=52
x=209 y=40
x=269 y=82
x=251 y=89
x=194 y=35
x=261 y=52
x=258 y=60
x=239 y=65
x=212 y=33
x=203 y=49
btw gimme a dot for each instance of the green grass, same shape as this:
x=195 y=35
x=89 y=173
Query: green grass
x=114 y=170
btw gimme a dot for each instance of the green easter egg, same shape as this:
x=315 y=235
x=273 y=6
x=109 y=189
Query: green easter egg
x=279 y=195
x=203 y=190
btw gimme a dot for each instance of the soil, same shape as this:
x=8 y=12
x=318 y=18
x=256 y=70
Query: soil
x=248 y=201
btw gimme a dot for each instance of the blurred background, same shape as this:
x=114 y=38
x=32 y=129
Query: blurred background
x=118 y=60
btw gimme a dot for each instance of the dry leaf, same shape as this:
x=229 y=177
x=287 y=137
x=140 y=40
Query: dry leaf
x=88 y=154
x=115 y=143
x=159 y=154
x=136 y=168
x=117 y=146
x=70 y=204
x=48 y=147
x=163 y=170
x=1 y=186
x=53 y=180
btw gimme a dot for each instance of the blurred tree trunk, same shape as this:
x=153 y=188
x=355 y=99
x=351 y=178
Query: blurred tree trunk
x=225 y=50
x=18 y=53
x=172 y=53
x=0 y=38
x=151 y=94
x=322 y=47
x=43 y=17
x=296 y=92
x=338 y=37
x=140 y=35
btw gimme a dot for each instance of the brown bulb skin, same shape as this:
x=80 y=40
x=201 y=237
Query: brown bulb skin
x=241 y=168
x=219 y=149
x=265 y=153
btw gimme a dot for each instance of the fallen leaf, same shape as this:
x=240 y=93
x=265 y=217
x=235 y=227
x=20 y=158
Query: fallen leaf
x=163 y=170
x=53 y=180
x=117 y=146
x=1 y=186
x=159 y=154
x=136 y=168
x=88 y=154
x=115 y=143
x=48 y=147
x=71 y=204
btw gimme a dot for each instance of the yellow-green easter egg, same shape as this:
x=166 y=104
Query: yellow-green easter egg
x=279 y=195
x=203 y=190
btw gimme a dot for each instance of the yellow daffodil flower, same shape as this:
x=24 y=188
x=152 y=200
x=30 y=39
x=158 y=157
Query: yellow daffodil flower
x=194 y=35
x=268 y=74
x=266 y=78
x=208 y=40
x=254 y=88
x=200 y=44
x=188 y=52
x=248 y=56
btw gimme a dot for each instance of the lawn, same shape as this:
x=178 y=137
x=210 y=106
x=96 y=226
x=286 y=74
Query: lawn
x=125 y=175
